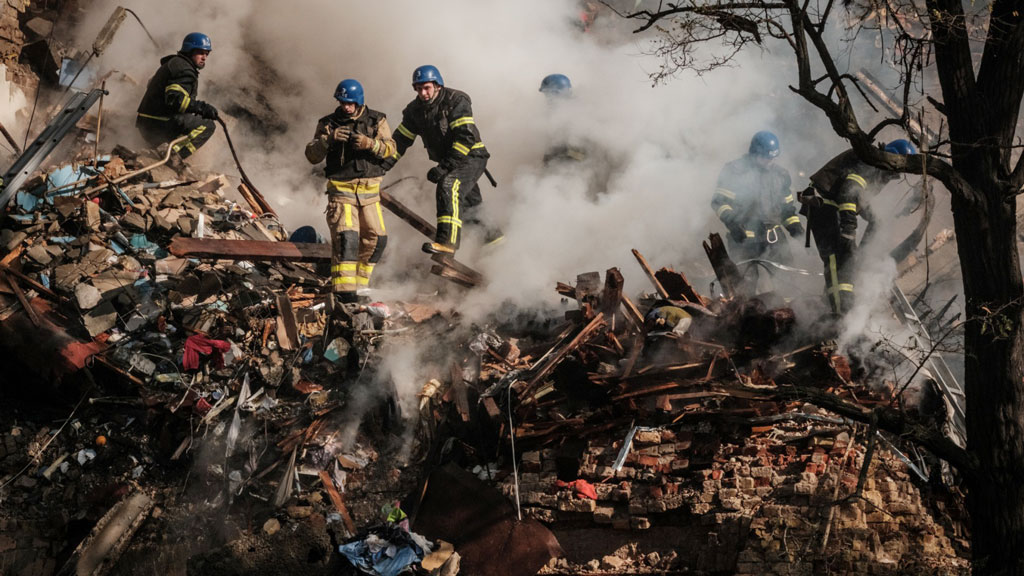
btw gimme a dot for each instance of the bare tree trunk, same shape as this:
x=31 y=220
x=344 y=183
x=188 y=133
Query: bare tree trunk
x=994 y=379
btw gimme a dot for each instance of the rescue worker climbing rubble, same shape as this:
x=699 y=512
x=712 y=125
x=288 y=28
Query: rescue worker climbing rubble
x=170 y=109
x=754 y=201
x=355 y=140
x=838 y=194
x=443 y=117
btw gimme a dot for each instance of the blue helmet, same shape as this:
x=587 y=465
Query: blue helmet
x=196 y=41
x=765 y=144
x=427 y=73
x=900 y=146
x=556 y=85
x=349 y=90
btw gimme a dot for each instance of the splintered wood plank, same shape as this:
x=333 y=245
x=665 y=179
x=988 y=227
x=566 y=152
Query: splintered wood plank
x=585 y=334
x=612 y=294
x=449 y=273
x=466 y=271
x=287 y=327
x=678 y=287
x=337 y=501
x=407 y=215
x=256 y=250
x=733 y=283
x=650 y=274
x=632 y=313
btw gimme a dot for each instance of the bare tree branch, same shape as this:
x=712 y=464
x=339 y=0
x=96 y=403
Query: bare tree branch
x=652 y=18
x=891 y=420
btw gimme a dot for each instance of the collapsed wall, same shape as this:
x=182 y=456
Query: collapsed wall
x=703 y=490
x=709 y=499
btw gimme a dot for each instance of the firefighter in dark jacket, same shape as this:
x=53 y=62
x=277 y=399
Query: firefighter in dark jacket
x=355 y=140
x=838 y=194
x=443 y=117
x=169 y=109
x=754 y=201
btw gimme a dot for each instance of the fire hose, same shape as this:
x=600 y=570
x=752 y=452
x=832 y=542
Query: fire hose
x=247 y=183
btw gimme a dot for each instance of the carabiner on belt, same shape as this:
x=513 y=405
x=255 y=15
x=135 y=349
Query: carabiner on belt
x=772 y=235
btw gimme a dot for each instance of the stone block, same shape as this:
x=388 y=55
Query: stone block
x=639 y=523
x=647 y=437
x=577 y=505
x=604 y=514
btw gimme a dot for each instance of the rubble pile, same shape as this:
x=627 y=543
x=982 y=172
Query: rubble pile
x=648 y=437
x=682 y=435
x=195 y=403
x=198 y=380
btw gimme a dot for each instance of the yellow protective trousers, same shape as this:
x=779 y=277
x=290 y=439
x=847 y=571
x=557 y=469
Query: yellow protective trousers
x=358 y=238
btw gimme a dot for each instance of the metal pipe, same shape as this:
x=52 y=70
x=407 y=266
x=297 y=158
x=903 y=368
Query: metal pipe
x=143 y=170
x=99 y=124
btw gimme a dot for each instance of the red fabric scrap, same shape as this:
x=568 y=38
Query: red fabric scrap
x=584 y=490
x=197 y=345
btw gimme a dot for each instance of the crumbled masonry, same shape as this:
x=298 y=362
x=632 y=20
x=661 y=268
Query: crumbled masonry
x=181 y=396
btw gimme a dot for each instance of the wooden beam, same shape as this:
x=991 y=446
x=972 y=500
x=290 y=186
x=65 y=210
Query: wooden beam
x=257 y=250
x=612 y=294
x=35 y=285
x=338 y=501
x=585 y=334
x=452 y=274
x=733 y=283
x=407 y=215
x=450 y=262
x=29 y=310
x=650 y=274
x=286 y=315
x=633 y=313
x=246 y=193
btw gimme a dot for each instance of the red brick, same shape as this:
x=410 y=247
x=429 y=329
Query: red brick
x=647 y=461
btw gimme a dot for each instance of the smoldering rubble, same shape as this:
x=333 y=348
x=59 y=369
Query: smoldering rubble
x=177 y=399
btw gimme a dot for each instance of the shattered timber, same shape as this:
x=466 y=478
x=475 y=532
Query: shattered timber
x=178 y=396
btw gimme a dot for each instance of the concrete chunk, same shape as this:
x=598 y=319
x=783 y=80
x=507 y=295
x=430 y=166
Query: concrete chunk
x=88 y=296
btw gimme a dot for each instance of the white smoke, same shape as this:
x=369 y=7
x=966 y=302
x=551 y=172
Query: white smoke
x=667 y=142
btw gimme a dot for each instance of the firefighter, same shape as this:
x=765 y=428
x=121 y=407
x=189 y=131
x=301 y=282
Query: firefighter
x=557 y=89
x=355 y=140
x=754 y=201
x=169 y=109
x=443 y=117
x=837 y=195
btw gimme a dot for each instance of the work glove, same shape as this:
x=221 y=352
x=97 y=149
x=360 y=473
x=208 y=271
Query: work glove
x=360 y=141
x=342 y=134
x=795 y=230
x=436 y=173
x=809 y=196
x=206 y=110
x=737 y=232
x=323 y=134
